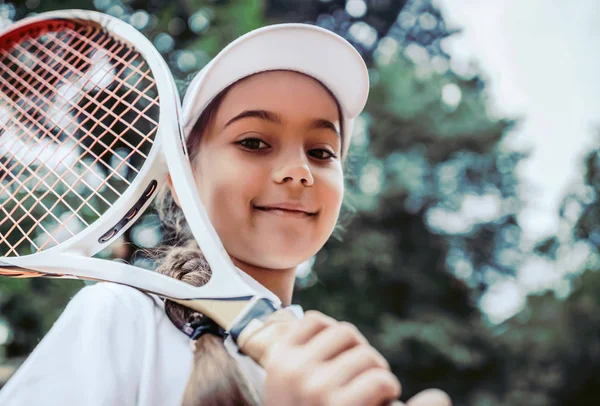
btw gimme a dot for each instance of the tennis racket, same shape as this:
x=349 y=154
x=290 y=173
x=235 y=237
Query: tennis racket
x=89 y=130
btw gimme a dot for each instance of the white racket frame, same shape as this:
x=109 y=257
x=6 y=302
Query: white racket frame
x=72 y=258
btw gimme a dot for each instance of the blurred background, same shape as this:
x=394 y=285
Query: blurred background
x=470 y=252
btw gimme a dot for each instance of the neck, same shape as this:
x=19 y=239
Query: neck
x=278 y=281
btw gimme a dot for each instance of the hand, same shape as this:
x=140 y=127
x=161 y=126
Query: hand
x=320 y=361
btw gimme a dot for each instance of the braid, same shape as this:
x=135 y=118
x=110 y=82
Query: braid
x=216 y=378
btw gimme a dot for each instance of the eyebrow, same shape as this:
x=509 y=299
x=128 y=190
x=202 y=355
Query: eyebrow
x=275 y=118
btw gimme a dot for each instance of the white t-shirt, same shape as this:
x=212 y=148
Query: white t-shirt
x=114 y=345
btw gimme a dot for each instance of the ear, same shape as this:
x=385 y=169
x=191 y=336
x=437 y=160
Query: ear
x=173 y=193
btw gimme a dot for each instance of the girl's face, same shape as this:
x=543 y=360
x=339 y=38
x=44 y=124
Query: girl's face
x=269 y=170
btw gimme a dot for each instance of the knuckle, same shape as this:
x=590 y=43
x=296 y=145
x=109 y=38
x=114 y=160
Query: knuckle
x=313 y=314
x=379 y=360
x=349 y=328
x=316 y=317
x=372 y=357
x=387 y=383
x=349 y=331
x=365 y=351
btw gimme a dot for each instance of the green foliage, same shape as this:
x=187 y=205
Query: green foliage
x=29 y=307
x=588 y=225
x=552 y=348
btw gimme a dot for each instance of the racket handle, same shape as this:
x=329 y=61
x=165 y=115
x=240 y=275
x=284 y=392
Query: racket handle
x=259 y=335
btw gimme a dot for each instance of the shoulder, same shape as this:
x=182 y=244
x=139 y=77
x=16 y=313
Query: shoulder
x=107 y=331
x=105 y=301
x=107 y=294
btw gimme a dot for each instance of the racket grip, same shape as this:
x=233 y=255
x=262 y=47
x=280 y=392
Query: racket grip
x=261 y=333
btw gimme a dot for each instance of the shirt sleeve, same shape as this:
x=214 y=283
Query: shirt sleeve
x=91 y=356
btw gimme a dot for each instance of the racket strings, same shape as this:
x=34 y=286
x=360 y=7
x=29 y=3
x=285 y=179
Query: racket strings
x=118 y=98
x=8 y=171
x=78 y=117
x=47 y=131
x=69 y=207
x=96 y=158
x=51 y=88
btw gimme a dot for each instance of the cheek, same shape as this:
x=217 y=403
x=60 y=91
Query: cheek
x=332 y=195
x=226 y=187
x=220 y=186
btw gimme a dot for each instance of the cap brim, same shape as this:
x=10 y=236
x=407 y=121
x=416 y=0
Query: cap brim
x=303 y=48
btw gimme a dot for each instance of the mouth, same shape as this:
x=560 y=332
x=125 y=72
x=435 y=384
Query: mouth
x=286 y=210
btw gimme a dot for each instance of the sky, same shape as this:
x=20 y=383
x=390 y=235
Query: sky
x=541 y=59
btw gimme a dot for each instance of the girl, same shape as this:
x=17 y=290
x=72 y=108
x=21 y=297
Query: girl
x=268 y=125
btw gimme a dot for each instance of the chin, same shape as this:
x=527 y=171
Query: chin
x=275 y=250
x=280 y=262
x=279 y=259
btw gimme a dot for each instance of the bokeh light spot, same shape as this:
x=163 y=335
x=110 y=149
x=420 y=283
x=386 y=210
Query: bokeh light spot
x=32 y=4
x=116 y=11
x=451 y=95
x=5 y=333
x=356 y=8
x=363 y=33
x=427 y=21
x=199 y=22
x=102 y=4
x=164 y=42
x=416 y=53
x=139 y=19
x=406 y=20
x=7 y=11
x=176 y=26
x=186 y=61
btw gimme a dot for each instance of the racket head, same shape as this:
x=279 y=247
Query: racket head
x=107 y=96
x=168 y=146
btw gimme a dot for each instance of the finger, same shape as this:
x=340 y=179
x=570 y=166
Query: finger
x=334 y=340
x=374 y=387
x=354 y=362
x=430 y=397
x=311 y=324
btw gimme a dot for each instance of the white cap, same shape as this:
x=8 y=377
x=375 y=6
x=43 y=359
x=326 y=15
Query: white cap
x=303 y=48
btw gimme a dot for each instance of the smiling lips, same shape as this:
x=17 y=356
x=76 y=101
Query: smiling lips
x=294 y=210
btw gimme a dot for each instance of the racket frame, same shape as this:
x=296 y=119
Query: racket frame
x=168 y=155
x=88 y=242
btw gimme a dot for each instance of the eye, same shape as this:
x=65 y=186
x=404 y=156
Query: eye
x=253 y=144
x=321 y=154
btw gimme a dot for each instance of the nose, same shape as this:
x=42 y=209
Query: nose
x=294 y=172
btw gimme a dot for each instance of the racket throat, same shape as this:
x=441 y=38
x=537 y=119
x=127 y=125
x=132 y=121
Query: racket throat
x=225 y=312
